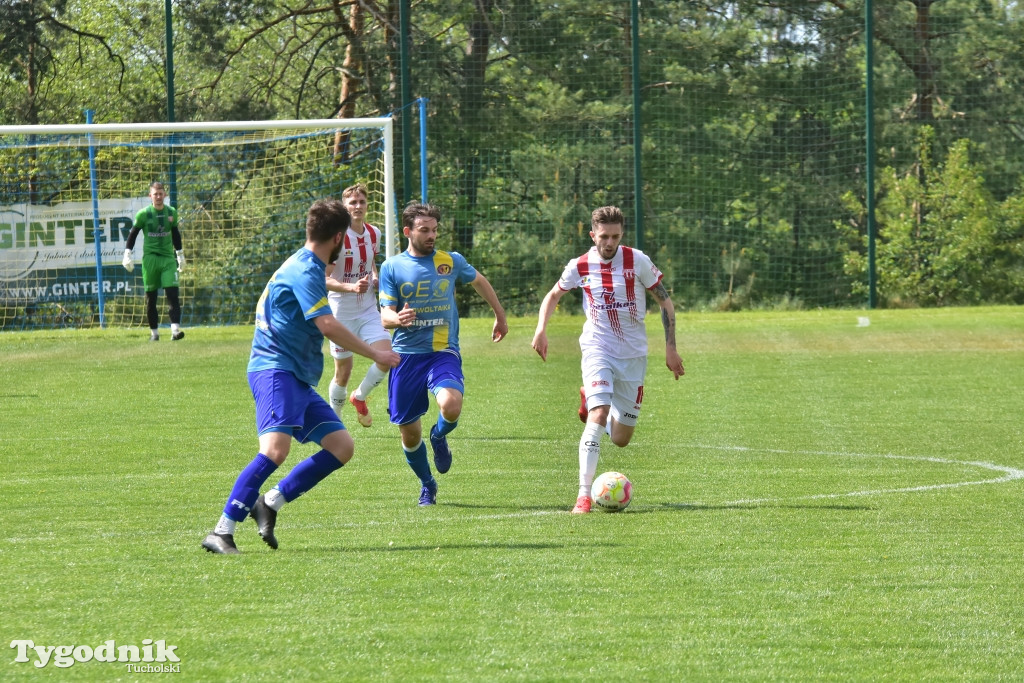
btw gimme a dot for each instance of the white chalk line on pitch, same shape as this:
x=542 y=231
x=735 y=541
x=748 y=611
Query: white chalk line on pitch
x=1009 y=474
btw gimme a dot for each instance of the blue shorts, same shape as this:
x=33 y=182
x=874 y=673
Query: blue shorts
x=285 y=404
x=417 y=376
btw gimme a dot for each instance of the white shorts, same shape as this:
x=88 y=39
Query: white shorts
x=367 y=327
x=615 y=382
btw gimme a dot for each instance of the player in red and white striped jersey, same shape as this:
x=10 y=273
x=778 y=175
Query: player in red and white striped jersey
x=614 y=340
x=351 y=285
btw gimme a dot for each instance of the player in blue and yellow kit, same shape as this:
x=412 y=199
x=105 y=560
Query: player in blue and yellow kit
x=417 y=301
x=292 y=319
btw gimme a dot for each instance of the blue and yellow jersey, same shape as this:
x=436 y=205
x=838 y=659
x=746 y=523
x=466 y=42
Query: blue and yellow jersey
x=286 y=336
x=427 y=284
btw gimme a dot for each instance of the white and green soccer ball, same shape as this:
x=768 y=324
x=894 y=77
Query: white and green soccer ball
x=612 y=491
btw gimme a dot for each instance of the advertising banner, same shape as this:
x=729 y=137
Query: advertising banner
x=48 y=253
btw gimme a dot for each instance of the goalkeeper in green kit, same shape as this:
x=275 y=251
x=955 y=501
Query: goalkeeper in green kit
x=162 y=259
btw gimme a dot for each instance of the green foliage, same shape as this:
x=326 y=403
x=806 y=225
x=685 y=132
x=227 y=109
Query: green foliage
x=752 y=116
x=943 y=239
x=1005 y=275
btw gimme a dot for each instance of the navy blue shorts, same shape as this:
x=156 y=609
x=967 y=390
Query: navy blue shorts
x=417 y=376
x=285 y=404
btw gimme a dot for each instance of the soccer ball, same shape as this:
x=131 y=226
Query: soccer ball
x=612 y=491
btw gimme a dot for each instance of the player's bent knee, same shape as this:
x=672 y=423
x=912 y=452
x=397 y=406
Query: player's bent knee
x=621 y=434
x=275 y=445
x=449 y=402
x=451 y=414
x=621 y=441
x=339 y=444
x=599 y=413
x=342 y=457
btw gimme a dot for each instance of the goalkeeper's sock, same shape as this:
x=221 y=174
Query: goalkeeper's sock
x=444 y=427
x=374 y=376
x=590 y=450
x=417 y=459
x=247 y=487
x=308 y=474
x=337 y=394
x=175 y=328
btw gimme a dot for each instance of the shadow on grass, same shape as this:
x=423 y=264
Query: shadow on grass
x=502 y=437
x=517 y=509
x=430 y=548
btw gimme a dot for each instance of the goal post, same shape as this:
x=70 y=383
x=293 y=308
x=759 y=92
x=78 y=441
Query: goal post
x=69 y=194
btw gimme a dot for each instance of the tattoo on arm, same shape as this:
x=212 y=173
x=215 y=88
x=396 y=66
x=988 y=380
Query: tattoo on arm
x=668 y=320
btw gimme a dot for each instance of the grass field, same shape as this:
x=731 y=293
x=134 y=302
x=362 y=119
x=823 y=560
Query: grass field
x=814 y=500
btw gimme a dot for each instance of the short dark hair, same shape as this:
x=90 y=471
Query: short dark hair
x=155 y=184
x=414 y=210
x=326 y=218
x=607 y=214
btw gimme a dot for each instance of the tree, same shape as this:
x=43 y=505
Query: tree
x=945 y=256
x=40 y=46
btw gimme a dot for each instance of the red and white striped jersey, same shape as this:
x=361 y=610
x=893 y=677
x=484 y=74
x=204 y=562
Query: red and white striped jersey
x=613 y=299
x=354 y=262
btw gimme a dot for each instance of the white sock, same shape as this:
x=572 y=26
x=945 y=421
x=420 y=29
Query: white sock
x=225 y=525
x=374 y=376
x=274 y=499
x=590 y=450
x=338 y=395
x=154 y=331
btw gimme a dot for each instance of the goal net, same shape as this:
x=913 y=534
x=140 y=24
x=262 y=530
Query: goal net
x=69 y=194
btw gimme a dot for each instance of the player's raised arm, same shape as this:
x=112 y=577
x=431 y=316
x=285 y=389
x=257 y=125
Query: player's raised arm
x=483 y=287
x=547 y=307
x=668 y=320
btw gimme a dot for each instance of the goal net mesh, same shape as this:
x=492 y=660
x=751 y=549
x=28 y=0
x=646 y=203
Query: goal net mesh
x=241 y=195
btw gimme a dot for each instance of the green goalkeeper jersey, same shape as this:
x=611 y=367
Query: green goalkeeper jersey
x=157 y=227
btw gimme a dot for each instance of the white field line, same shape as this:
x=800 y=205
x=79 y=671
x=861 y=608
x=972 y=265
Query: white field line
x=1009 y=473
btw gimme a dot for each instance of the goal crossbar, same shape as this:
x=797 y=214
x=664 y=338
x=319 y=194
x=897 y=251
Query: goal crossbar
x=384 y=122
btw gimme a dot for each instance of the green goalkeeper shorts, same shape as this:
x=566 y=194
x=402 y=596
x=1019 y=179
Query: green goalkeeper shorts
x=159 y=272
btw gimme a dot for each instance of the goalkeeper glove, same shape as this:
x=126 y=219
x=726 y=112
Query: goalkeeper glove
x=180 y=255
x=127 y=262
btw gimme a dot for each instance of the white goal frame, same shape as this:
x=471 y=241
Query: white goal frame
x=385 y=123
x=18 y=297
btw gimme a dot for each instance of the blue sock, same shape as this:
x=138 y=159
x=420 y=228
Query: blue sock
x=308 y=474
x=417 y=460
x=443 y=426
x=247 y=487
